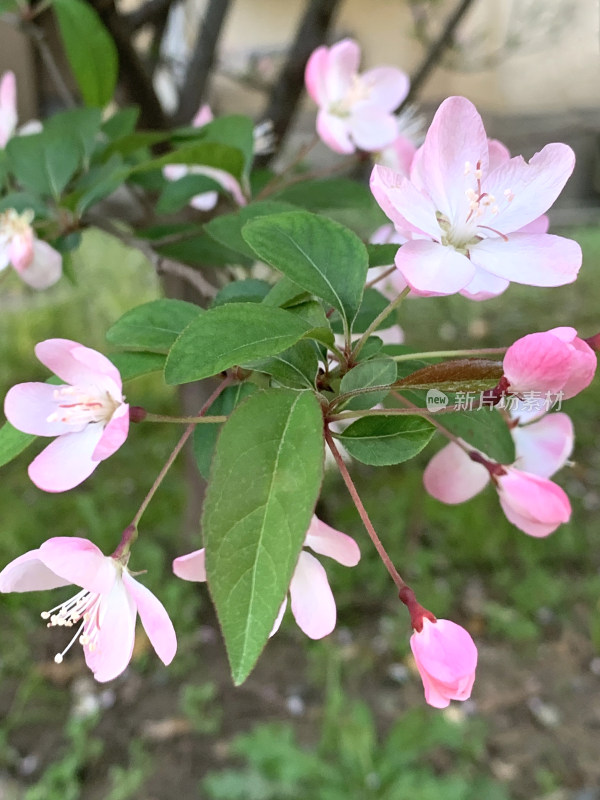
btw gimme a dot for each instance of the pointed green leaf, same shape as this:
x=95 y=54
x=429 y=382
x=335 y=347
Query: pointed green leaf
x=382 y=440
x=90 y=49
x=13 y=442
x=485 y=430
x=295 y=368
x=264 y=484
x=133 y=365
x=250 y=290
x=153 y=326
x=235 y=333
x=43 y=162
x=227 y=228
x=372 y=305
x=316 y=253
x=366 y=374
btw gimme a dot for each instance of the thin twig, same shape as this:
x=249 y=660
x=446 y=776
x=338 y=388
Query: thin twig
x=39 y=38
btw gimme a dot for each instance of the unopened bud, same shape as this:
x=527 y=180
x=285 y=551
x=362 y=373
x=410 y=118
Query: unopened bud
x=137 y=413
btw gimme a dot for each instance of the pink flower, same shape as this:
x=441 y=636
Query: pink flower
x=555 y=361
x=206 y=200
x=104 y=610
x=313 y=605
x=87 y=414
x=354 y=110
x=38 y=264
x=446 y=658
x=465 y=206
x=530 y=501
x=8 y=107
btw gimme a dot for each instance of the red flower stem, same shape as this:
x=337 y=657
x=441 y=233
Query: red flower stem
x=402 y=586
x=175 y=452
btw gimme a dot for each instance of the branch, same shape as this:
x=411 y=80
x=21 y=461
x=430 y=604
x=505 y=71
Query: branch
x=150 y=13
x=435 y=52
x=202 y=60
x=286 y=93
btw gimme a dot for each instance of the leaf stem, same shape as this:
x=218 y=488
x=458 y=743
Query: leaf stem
x=363 y=513
x=451 y=353
x=176 y=450
x=377 y=322
x=186 y=420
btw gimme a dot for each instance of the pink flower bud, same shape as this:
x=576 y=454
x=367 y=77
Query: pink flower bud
x=535 y=505
x=446 y=658
x=555 y=361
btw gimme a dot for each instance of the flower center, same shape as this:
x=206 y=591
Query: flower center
x=78 y=405
x=13 y=224
x=84 y=607
x=358 y=91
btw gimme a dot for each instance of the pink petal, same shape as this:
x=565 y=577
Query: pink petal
x=313 y=605
x=532 y=259
x=173 y=172
x=455 y=138
x=342 y=64
x=534 y=186
x=388 y=86
x=76 y=364
x=371 y=128
x=67 y=461
x=155 y=619
x=79 y=561
x=114 y=645
x=327 y=541
x=314 y=76
x=45 y=269
x=498 y=153
x=203 y=116
x=191 y=567
x=535 y=505
x=205 y=201
x=398 y=155
x=433 y=269
x=27 y=406
x=446 y=658
x=452 y=477
x=538 y=362
x=484 y=285
x=409 y=209
x=543 y=447
x=583 y=368
x=224 y=179
x=279 y=617
x=114 y=434
x=334 y=132
x=8 y=107
x=28 y=574
x=21 y=250
x=539 y=225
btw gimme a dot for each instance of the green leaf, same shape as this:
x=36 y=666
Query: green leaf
x=121 y=123
x=295 y=368
x=382 y=255
x=206 y=434
x=233 y=130
x=382 y=440
x=378 y=372
x=153 y=326
x=285 y=293
x=13 y=442
x=485 y=430
x=250 y=290
x=264 y=484
x=99 y=182
x=133 y=365
x=227 y=228
x=43 y=163
x=313 y=314
x=206 y=154
x=90 y=49
x=21 y=201
x=316 y=253
x=177 y=194
x=372 y=305
x=327 y=193
x=77 y=128
x=236 y=333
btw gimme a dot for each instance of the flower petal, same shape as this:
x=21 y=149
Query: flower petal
x=484 y=285
x=45 y=268
x=538 y=362
x=154 y=617
x=28 y=573
x=279 y=617
x=334 y=132
x=8 y=107
x=314 y=76
x=409 y=209
x=528 y=258
x=328 y=541
x=453 y=477
x=535 y=505
x=76 y=364
x=67 y=461
x=343 y=60
x=544 y=446
x=27 y=406
x=205 y=201
x=191 y=567
x=433 y=269
x=80 y=562
x=114 y=645
x=313 y=605
x=113 y=435
x=388 y=86
x=371 y=128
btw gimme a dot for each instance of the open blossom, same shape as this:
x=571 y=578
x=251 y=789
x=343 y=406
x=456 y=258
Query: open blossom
x=35 y=261
x=555 y=361
x=312 y=601
x=105 y=609
x=473 y=217
x=530 y=501
x=87 y=413
x=355 y=110
x=446 y=658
